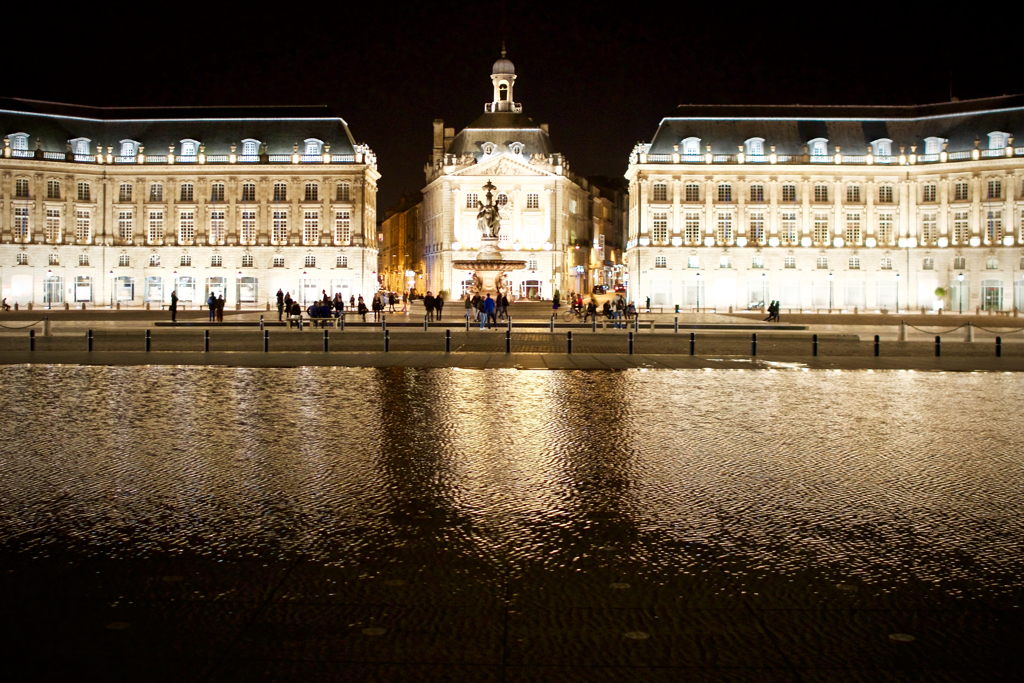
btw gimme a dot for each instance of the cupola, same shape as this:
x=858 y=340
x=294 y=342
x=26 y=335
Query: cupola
x=503 y=76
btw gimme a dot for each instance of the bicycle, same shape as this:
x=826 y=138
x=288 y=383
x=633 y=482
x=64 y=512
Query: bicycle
x=571 y=313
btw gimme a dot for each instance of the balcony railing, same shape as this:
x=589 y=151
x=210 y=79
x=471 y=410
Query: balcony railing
x=851 y=159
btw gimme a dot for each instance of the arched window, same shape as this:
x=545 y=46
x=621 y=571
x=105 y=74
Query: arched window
x=755 y=146
x=128 y=148
x=691 y=146
x=189 y=148
x=19 y=141
x=997 y=140
x=250 y=148
x=503 y=92
x=80 y=146
x=502 y=199
x=313 y=146
x=660 y=192
x=933 y=145
x=818 y=147
x=882 y=147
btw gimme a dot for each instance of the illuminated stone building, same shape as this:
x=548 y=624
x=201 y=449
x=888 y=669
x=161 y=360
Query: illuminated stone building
x=401 y=252
x=544 y=206
x=831 y=207
x=122 y=206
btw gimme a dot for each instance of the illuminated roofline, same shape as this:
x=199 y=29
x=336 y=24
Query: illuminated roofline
x=86 y=118
x=837 y=118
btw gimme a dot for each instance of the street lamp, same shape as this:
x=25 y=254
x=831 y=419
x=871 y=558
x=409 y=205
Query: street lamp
x=111 y=289
x=49 y=288
x=764 y=288
x=960 y=288
x=897 y=293
x=238 y=290
x=831 y=276
x=698 y=292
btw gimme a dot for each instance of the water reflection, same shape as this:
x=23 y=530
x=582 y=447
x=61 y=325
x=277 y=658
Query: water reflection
x=886 y=477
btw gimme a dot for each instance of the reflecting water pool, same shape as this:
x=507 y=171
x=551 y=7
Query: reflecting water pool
x=743 y=480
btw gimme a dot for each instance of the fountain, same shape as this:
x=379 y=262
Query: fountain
x=489 y=270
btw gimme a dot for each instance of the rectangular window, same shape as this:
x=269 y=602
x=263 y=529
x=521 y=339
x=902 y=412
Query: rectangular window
x=992 y=263
x=124 y=193
x=83 y=192
x=659 y=228
x=822 y=263
x=21 y=259
x=961 y=227
x=757 y=193
x=156 y=192
x=886 y=263
x=724 y=262
x=53 y=225
x=53 y=189
x=660 y=262
x=216 y=260
x=312 y=192
x=788 y=227
x=789 y=262
x=123 y=260
x=959 y=263
x=342 y=261
x=124 y=226
x=248 y=192
x=885 y=194
x=821 y=228
x=280 y=192
x=279 y=228
x=21 y=223
x=343 y=192
x=156 y=227
x=724 y=234
x=725 y=193
x=248 y=235
x=928 y=193
x=885 y=231
x=960 y=191
x=995 y=189
x=789 y=193
x=693 y=262
x=310 y=261
x=821 y=193
x=993 y=227
x=83 y=226
x=692 y=228
x=217 y=230
x=342 y=227
x=186 y=260
x=532 y=200
x=757 y=262
x=928 y=264
x=660 y=193
x=187 y=227
x=217 y=192
x=854 y=263
x=54 y=260
x=531 y=264
x=757 y=228
x=853 y=194
x=471 y=200
x=187 y=192
x=21 y=188
x=247 y=260
x=692 y=193
x=279 y=262
x=929 y=228
x=311 y=227
x=853 y=232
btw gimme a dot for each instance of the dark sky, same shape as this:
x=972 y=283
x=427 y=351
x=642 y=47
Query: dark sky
x=602 y=79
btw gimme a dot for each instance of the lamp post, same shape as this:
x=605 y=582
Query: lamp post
x=49 y=288
x=238 y=290
x=831 y=276
x=764 y=288
x=897 y=293
x=698 y=292
x=960 y=289
x=111 y=289
x=302 y=288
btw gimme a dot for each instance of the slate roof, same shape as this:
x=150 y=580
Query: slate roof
x=159 y=127
x=501 y=128
x=852 y=128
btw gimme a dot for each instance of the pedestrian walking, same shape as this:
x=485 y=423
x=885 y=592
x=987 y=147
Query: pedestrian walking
x=648 y=306
x=502 y=306
x=392 y=300
x=174 y=305
x=405 y=302
x=469 y=304
x=489 y=308
x=280 y=305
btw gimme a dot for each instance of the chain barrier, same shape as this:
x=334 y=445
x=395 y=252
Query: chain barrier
x=977 y=327
x=931 y=332
x=22 y=327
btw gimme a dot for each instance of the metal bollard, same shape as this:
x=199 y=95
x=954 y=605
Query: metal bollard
x=508 y=341
x=753 y=344
x=149 y=341
x=424 y=323
x=206 y=341
x=32 y=341
x=387 y=341
x=383 y=324
x=677 y=308
x=89 y=338
x=693 y=342
x=636 y=323
x=326 y=343
x=266 y=341
x=261 y=322
x=878 y=343
x=631 y=343
x=814 y=345
x=341 y=322
x=970 y=333
x=677 y=323
x=510 y=323
x=467 y=322
x=552 y=324
x=938 y=346
x=593 y=324
x=568 y=341
x=999 y=347
x=448 y=341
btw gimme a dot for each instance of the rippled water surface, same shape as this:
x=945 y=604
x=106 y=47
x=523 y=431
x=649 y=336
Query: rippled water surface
x=877 y=479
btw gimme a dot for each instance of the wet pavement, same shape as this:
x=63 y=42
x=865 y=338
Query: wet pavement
x=233 y=524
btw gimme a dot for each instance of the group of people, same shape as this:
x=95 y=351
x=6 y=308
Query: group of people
x=486 y=310
x=773 y=312
x=216 y=306
x=434 y=306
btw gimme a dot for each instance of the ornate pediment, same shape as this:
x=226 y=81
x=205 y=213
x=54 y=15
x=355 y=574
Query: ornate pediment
x=502 y=166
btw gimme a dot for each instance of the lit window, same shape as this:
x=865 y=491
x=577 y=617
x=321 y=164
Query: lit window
x=186 y=260
x=755 y=146
x=124 y=193
x=691 y=146
x=822 y=263
x=216 y=260
x=156 y=192
x=885 y=194
x=280 y=192
x=961 y=227
x=959 y=263
x=929 y=228
x=886 y=263
x=248 y=235
x=724 y=262
x=757 y=193
x=789 y=262
x=54 y=260
x=692 y=228
x=854 y=263
x=659 y=227
x=996 y=140
x=788 y=227
x=821 y=193
x=693 y=262
x=883 y=147
x=532 y=200
x=995 y=189
x=217 y=192
x=725 y=192
x=928 y=193
x=885 y=230
x=853 y=193
x=343 y=192
x=692 y=192
x=342 y=261
x=83 y=226
x=660 y=262
x=572 y=206
x=660 y=193
x=154 y=260
x=821 y=228
x=125 y=220
x=789 y=193
x=53 y=189
x=123 y=260
x=928 y=264
x=310 y=262
x=342 y=227
x=188 y=148
x=247 y=260
x=994 y=227
x=21 y=259
x=82 y=147
x=853 y=233
x=21 y=232
x=156 y=228
x=757 y=227
x=311 y=227
x=83 y=192
x=19 y=142
x=53 y=231
x=312 y=147
x=250 y=148
x=932 y=145
x=248 y=192
x=217 y=228
x=83 y=259
x=757 y=262
x=279 y=262
x=724 y=234
x=187 y=227
x=279 y=228
x=127 y=149
x=992 y=263
x=960 y=191
x=186 y=192
x=819 y=147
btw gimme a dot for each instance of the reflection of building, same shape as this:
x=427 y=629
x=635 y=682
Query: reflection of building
x=126 y=205
x=545 y=208
x=401 y=248
x=841 y=207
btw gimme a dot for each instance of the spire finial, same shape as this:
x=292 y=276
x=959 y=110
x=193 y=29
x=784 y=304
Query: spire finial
x=503 y=49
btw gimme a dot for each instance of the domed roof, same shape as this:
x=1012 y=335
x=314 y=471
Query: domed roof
x=503 y=66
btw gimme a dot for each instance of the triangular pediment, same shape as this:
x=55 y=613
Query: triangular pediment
x=504 y=166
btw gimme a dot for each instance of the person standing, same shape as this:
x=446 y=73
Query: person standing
x=405 y=302
x=220 y=308
x=591 y=310
x=174 y=305
x=211 y=304
x=503 y=306
x=428 y=305
x=438 y=305
x=288 y=303
x=620 y=306
x=362 y=307
x=469 y=305
x=280 y=305
x=352 y=300
x=648 y=306
x=490 y=307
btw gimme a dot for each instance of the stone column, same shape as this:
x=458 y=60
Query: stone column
x=70 y=226
x=7 y=215
x=265 y=189
x=139 y=218
x=676 y=200
x=741 y=206
x=1009 y=221
x=202 y=223
x=912 y=218
x=327 y=223
x=975 y=205
x=170 y=223
x=943 y=222
x=38 y=210
x=805 y=204
x=903 y=209
x=869 y=210
x=709 y=207
x=295 y=212
x=773 y=207
x=837 y=208
x=644 y=213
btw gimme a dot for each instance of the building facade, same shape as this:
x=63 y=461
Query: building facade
x=544 y=206
x=401 y=250
x=111 y=207
x=867 y=208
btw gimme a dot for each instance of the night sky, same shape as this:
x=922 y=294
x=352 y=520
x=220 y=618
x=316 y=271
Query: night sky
x=601 y=79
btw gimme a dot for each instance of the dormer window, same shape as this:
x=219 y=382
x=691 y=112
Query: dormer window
x=80 y=146
x=128 y=148
x=882 y=147
x=19 y=142
x=489 y=148
x=516 y=147
x=691 y=146
x=250 y=147
x=818 y=147
x=933 y=145
x=755 y=147
x=997 y=140
x=189 y=148
x=313 y=146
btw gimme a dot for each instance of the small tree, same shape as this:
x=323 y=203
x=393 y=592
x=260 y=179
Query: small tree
x=940 y=292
